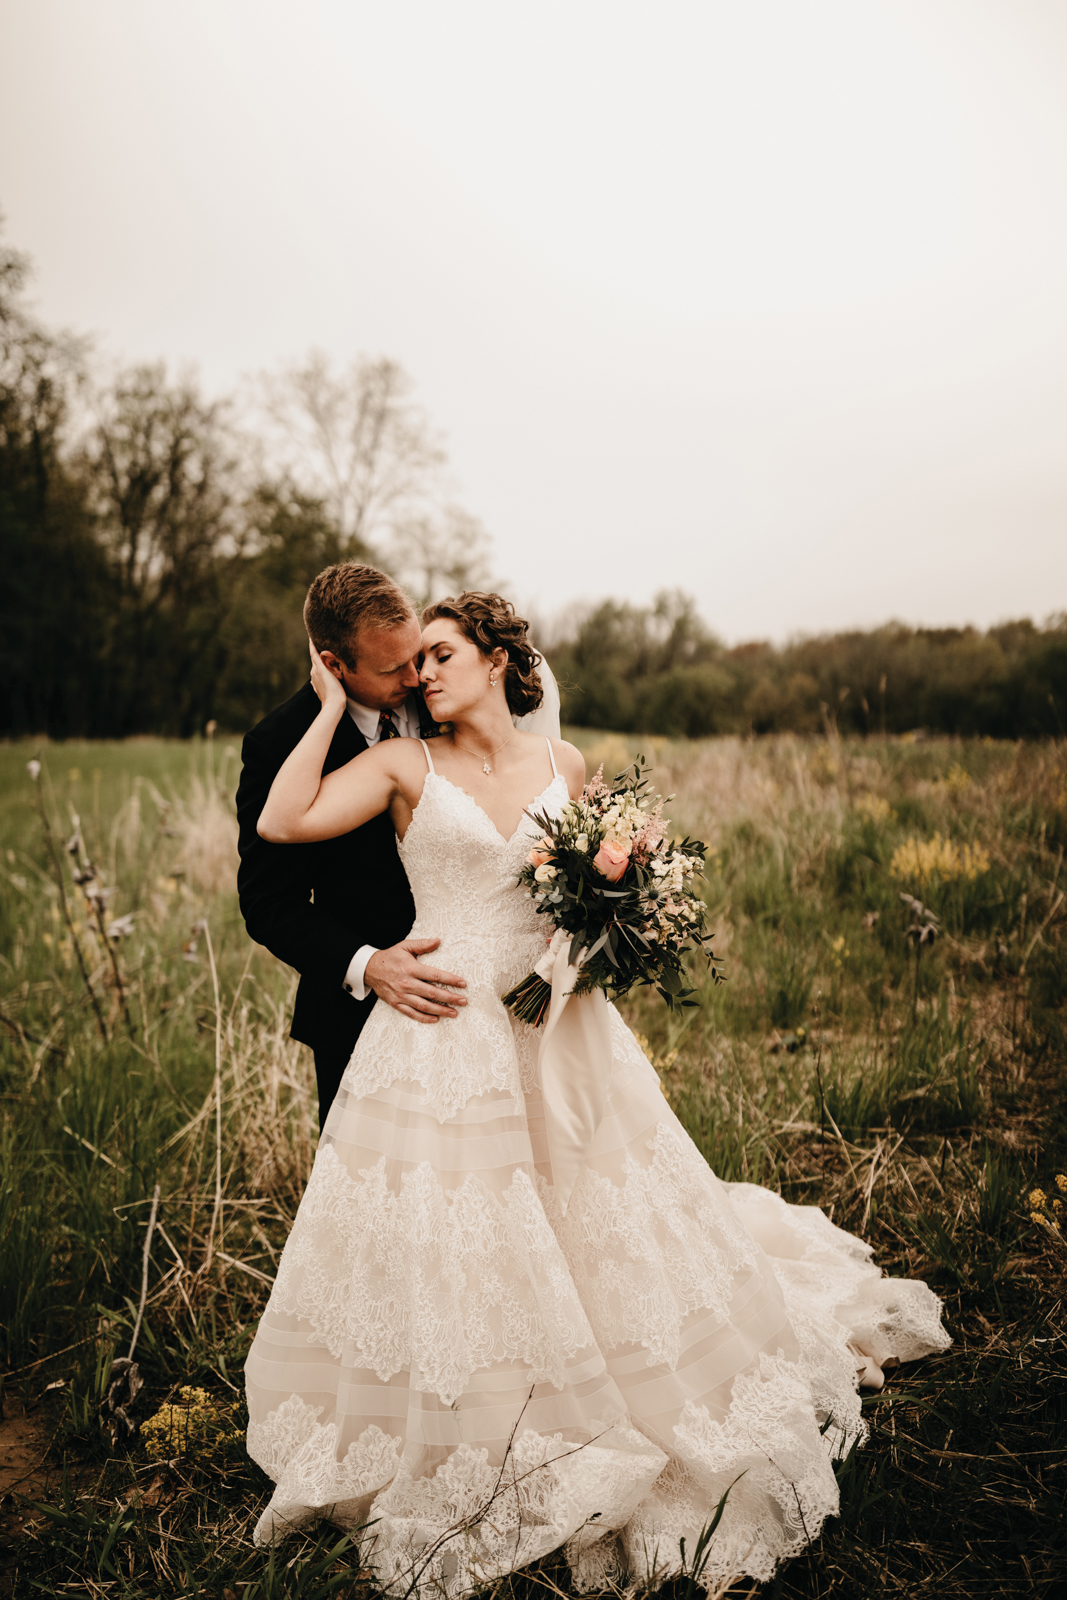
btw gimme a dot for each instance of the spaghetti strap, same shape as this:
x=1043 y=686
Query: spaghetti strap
x=426 y=753
x=551 y=757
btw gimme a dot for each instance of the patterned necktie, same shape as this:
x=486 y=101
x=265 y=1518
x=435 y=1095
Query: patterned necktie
x=387 y=728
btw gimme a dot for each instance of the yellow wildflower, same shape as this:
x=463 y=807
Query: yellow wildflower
x=957 y=779
x=1035 y=1216
x=196 y=1426
x=1037 y=1197
x=920 y=860
x=874 y=807
x=1061 y=1181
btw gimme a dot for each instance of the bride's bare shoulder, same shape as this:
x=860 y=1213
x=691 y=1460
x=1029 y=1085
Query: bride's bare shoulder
x=403 y=760
x=571 y=764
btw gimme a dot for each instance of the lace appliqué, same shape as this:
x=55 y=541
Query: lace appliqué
x=300 y=1453
x=442 y=1283
x=646 y=1254
x=464 y=876
x=833 y=1288
x=471 y=1522
x=768 y=1452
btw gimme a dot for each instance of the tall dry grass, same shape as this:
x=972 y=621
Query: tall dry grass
x=918 y=1099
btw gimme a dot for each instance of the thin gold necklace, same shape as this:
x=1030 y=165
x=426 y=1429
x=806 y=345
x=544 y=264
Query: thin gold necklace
x=486 y=768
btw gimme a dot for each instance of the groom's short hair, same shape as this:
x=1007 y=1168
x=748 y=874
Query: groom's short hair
x=345 y=599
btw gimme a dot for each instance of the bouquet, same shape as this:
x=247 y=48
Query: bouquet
x=610 y=881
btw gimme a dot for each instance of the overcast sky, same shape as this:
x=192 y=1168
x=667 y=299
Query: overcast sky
x=762 y=298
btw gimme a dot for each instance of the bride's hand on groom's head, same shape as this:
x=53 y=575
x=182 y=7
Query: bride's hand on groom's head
x=326 y=684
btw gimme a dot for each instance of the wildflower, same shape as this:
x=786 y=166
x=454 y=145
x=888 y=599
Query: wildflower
x=957 y=780
x=920 y=860
x=1061 y=1182
x=1037 y=1197
x=1036 y=1217
x=34 y=769
x=196 y=1426
x=121 y=927
x=874 y=807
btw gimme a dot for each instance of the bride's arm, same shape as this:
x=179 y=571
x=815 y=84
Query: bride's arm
x=302 y=805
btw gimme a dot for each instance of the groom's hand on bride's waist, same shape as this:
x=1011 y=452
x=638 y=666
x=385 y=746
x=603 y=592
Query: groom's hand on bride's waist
x=415 y=989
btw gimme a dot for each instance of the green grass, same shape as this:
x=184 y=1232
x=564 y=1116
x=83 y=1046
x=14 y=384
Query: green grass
x=918 y=1103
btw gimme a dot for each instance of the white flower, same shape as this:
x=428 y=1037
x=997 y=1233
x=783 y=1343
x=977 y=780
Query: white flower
x=581 y=844
x=34 y=769
x=545 y=873
x=121 y=926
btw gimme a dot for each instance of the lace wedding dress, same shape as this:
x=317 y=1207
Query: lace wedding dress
x=450 y=1362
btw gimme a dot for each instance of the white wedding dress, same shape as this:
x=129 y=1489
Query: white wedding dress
x=477 y=1379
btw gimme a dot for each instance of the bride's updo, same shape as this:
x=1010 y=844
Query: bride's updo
x=489 y=621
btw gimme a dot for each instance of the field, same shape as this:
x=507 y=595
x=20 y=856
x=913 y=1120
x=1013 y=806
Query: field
x=911 y=1082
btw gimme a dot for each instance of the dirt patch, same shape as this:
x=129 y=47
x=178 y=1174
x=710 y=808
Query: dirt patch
x=24 y=1440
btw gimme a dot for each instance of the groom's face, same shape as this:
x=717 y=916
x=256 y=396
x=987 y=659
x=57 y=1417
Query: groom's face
x=386 y=667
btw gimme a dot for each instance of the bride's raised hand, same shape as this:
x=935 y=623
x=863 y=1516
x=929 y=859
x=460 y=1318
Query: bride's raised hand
x=328 y=687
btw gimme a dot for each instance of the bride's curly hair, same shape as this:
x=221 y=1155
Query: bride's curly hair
x=490 y=622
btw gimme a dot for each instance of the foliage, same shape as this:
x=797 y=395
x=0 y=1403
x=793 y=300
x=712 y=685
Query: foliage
x=921 y=861
x=928 y=1137
x=157 y=545
x=157 y=549
x=195 y=1425
x=658 y=669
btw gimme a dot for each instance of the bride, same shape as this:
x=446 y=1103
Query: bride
x=453 y=1362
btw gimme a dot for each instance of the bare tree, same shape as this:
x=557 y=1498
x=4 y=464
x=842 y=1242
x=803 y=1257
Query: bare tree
x=440 y=554
x=40 y=371
x=355 y=439
x=162 y=471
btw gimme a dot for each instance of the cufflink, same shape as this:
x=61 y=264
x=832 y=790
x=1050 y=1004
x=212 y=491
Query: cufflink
x=348 y=988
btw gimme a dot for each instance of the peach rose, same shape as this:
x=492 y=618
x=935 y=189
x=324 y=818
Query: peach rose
x=611 y=860
x=537 y=858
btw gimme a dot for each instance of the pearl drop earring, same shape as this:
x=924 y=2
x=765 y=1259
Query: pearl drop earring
x=492 y=680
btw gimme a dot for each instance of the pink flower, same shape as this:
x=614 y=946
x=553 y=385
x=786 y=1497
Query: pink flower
x=537 y=858
x=611 y=860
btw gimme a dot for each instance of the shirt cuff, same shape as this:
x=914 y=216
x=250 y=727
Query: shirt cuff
x=357 y=967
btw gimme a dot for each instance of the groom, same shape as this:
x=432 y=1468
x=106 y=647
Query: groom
x=339 y=911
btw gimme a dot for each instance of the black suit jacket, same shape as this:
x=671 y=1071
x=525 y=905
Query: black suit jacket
x=314 y=905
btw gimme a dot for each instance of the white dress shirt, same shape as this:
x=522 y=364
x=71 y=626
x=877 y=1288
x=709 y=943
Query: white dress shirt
x=406 y=722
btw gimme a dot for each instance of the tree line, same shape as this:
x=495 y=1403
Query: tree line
x=659 y=669
x=156 y=546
